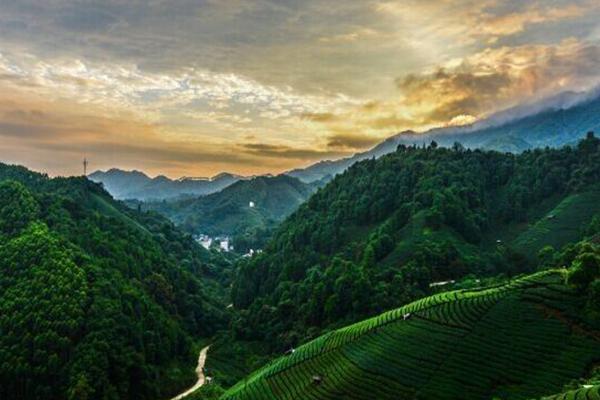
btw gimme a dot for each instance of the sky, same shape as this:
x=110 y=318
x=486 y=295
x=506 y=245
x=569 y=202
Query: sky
x=194 y=88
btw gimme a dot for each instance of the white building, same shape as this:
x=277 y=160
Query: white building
x=224 y=243
x=204 y=240
x=251 y=204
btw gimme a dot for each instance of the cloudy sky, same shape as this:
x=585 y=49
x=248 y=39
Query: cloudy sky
x=193 y=88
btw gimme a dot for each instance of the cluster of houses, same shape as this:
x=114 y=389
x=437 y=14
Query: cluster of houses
x=223 y=243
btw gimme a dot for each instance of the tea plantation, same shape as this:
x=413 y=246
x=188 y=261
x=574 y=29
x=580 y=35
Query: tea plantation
x=589 y=393
x=522 y=340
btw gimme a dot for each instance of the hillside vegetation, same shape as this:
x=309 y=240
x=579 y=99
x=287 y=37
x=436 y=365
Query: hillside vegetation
x=228 y=212
x=521 y=340
x=97 y=301
x=382 y=233
x=589 y=393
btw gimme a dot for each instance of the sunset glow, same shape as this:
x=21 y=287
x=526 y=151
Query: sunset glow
x=196 y=88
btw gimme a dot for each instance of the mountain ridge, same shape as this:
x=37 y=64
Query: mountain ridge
x=557 y=120
x=135 y=184
x=515 y=129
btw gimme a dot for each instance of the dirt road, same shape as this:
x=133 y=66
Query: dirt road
x=199 y=372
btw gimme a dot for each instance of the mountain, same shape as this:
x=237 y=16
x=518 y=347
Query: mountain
x=137 y=185
x=98 y=301
x=247 y=210
x=520 y=340
x=557 y=121
x=389 y=230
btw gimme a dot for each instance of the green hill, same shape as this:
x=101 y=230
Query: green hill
x=520 y=340
x=389 y=230
x=229 y=212
x=98 y=301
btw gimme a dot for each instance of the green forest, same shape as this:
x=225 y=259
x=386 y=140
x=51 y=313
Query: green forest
x=393 y=279
x=98 y=301
x=532 y=335
x=384 y=232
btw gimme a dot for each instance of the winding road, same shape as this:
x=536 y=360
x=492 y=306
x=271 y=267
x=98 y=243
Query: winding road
x=199 y=372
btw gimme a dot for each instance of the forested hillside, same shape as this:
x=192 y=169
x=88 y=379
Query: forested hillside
x=97 y=301
x=531 y=337
x=247 y=210
x=390 y=230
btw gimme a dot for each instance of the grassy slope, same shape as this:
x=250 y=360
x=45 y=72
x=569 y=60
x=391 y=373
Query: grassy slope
x=515 y=341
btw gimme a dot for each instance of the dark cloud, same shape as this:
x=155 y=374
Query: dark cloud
x=279 y=151
x=392 y=121
x=25 y=131
x=87 y=18
x=155 y=153
x=319 y=117
x=351 y=142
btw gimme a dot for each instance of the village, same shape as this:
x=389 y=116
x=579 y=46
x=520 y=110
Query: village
x=221 y=243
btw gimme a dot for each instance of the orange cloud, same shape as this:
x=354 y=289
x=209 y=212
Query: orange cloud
x=497 y=78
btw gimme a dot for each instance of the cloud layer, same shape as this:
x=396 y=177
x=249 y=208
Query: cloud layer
x=192 y=88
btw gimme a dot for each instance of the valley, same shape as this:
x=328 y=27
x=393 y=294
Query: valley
x=300 y=200
x=434 y=260
x=418 y=221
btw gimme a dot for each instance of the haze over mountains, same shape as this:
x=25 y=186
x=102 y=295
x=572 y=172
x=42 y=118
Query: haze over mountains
x=137 y=185
x=556 y=121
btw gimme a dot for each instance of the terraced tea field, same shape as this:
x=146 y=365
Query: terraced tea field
x=522 y=340
x=591 y=393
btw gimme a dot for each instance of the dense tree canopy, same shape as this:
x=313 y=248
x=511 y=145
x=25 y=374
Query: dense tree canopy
x=97 y=301
x=380 y=234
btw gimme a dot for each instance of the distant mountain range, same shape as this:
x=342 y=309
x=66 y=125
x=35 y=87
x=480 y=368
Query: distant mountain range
x=556 y=121
x=560 y=120
x=137 y=185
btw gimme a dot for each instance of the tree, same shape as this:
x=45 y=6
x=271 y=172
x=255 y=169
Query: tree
x=585 y=268
x=17 y=209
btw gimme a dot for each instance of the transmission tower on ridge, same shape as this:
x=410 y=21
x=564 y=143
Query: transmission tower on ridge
x=85 y=165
